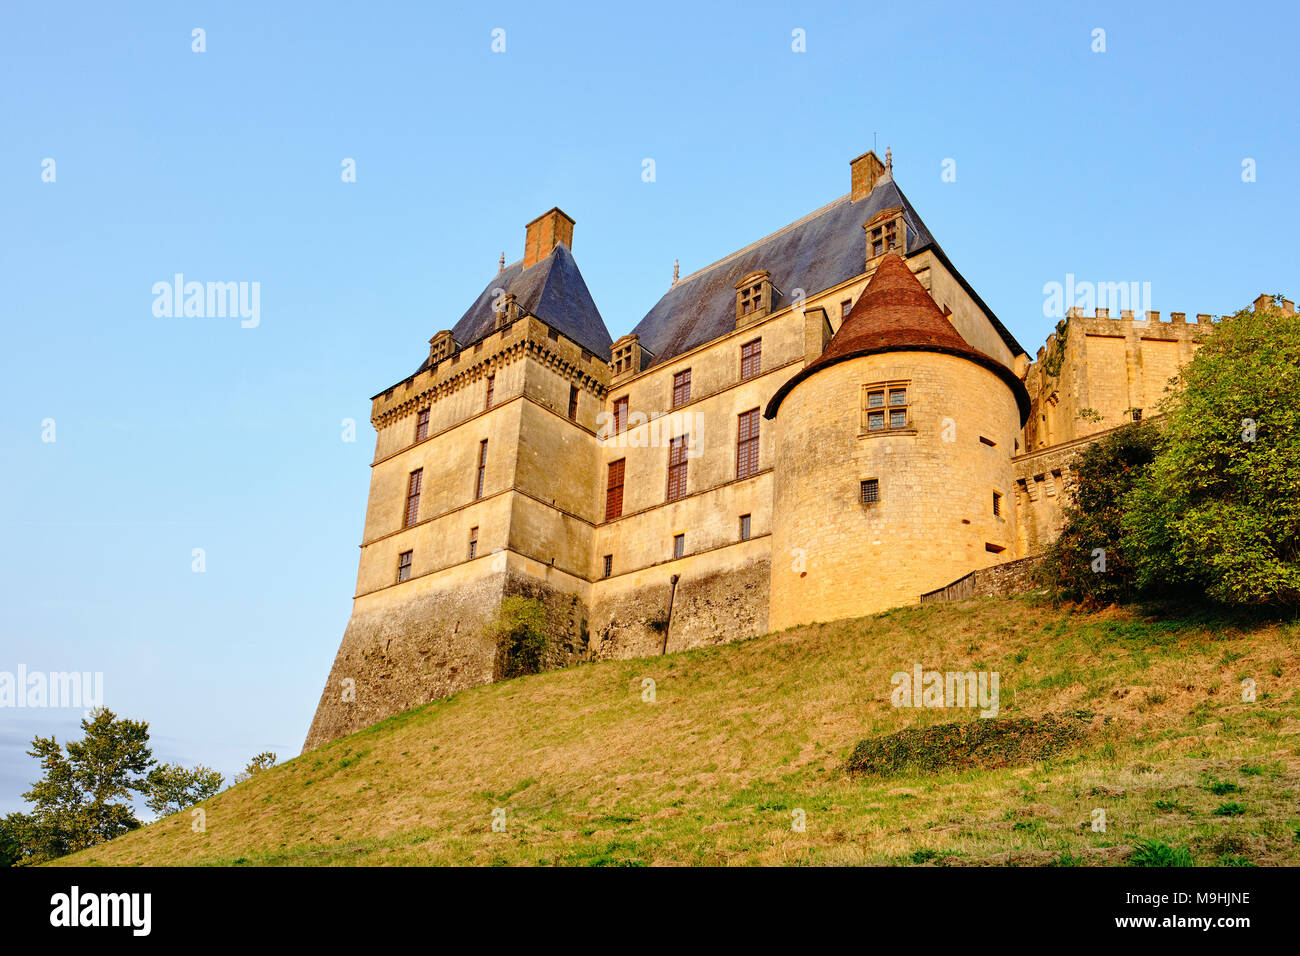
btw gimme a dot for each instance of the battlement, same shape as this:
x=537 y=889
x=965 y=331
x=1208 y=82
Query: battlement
x=1101 y=322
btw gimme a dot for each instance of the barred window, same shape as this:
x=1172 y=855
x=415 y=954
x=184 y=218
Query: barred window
x=681 y=388
x=473 y=543
x=679 y=545
x=744 y=528
x=620 y=415
x=413 y=497
x=614 y=490
x=997 y=505
x=491 y=387
x=677 y=468
x=403 y=567
x=747 y=444
x=751 y=358
x=609 y=566
x=422 y=425
x=869 y=491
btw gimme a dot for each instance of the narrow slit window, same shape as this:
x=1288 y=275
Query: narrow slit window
x=609 y=566
x=482 y=469
x=422 y=425
x=988 y=441
x=679 y=545
x=573 y=402
x=404 y=566
x=992 y=548
x=413 y=497
x=473 y=543
x=491 y=387
x=744 y=528
x=997 y=505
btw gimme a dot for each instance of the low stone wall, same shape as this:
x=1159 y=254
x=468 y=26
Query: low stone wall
x=1014 y=577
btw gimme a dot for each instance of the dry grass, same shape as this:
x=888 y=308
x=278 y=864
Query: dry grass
x=742 y=736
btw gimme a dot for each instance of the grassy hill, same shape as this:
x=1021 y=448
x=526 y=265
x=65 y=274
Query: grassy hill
x=741 y=736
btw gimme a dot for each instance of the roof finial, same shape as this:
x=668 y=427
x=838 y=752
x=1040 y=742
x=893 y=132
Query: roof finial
x=501 y=264
x=675 y=272
x=889 y=159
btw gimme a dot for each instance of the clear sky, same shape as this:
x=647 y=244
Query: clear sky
x=173 y=434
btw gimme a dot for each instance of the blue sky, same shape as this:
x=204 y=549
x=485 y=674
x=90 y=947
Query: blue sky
x=181 y=433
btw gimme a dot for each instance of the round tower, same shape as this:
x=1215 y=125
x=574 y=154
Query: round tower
x=893 y=465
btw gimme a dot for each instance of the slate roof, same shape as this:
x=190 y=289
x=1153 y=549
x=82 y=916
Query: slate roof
x=553 y=290
x=814 y=253
x=896 y=314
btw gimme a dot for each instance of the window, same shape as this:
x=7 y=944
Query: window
x=747 y=444
x=744 y=528
x=609 y=566
x=679 y=545
x=473 y=543
x=869 y=491
x=993 y=548
x=1137 y=414
x=997 y=505
x=482 y=469
x=573 y=402
x=751 y=358
x=677 y=468
x=403 y=567
x=422 y=425
x=988 y=441
x=751 y=299
x=614 y=490
x=413 y=497
x=882 y=238
x=620 y=415
x=884 y=407
x=755 y=296
x=681 y=388
x=491 y=387
x=845 y=308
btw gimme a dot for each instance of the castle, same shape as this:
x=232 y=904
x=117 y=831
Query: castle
x=824 y=424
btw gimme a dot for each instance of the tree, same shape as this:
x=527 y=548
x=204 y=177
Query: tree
x=78 y=802
x=171 y=788
x=1088 y=562
x=263 y=761
x=1218 y=511
x=13 y=828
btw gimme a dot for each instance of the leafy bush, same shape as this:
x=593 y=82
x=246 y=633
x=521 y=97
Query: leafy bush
x=1087 y=563
x=262 y=762
x=1218 y=511
x=521 y=639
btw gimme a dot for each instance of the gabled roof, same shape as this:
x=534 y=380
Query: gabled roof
x=821 y=250
x=896 y=314
x=553 y=290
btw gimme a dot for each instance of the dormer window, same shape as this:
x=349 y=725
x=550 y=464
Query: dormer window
x=886 y=231
x=440 y=347
x=625 y=355
x=755 y=295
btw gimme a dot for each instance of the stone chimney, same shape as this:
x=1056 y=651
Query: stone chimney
x=544 y=233
x=864 y=171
